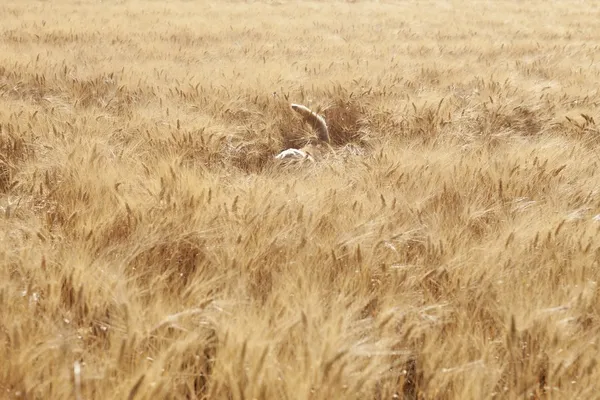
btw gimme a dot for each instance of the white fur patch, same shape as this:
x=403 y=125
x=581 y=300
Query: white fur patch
x=293 y=153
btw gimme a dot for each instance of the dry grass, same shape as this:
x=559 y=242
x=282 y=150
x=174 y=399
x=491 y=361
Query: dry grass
x=151 y=247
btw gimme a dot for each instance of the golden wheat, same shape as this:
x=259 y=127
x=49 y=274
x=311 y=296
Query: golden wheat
x=152 y=247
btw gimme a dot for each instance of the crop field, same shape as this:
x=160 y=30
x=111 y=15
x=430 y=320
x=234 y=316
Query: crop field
x=445 y=246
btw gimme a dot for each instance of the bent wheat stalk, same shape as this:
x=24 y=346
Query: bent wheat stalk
x=313 y=150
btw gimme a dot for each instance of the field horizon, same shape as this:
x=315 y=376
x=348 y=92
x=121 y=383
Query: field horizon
x=151 y=246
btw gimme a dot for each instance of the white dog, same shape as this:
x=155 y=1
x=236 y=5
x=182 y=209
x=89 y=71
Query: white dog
x=313 y=150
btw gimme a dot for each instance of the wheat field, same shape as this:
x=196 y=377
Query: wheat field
x=151 y=247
